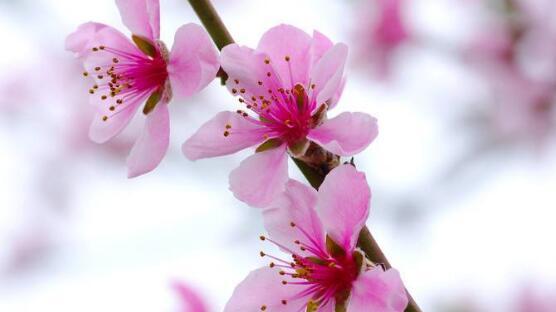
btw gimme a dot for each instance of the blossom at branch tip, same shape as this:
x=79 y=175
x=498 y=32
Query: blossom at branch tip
x=128 y=73
x=286 y=85
x=326 y=271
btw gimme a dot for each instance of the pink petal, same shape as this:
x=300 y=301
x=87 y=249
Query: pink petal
x=151 y=146
x=263 y=287
x=346 y=134
x=102 y=131
x=297 y=205
x=142 y=17
x=286 y=40
x=193 y=60
x=80 y=41
x=320 y=45
x=209 y=140
x=327 y=74
x=260 y=177
x=378 y=291
x=109 y=37
x=343 y=205
x=191 y=300
x=245 y=68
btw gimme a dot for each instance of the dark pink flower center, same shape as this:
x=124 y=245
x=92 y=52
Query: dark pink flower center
x=123 y=78
x=319 y=275
x=285 y=112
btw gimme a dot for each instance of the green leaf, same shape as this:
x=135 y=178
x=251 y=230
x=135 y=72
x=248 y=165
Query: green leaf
x=299 y=148
x=261 y=118
x=319 y=115
x=268 y=145
x=333 y=248
x=144 y=45
x=151 y=102
x=359 y=259
x=318 y=261
x=312 y=175
x=312 y=306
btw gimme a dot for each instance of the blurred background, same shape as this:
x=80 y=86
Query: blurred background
x=463 y=172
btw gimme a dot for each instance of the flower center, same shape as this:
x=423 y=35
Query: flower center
x=285 y=112
x=122 y=77
x=320 y=275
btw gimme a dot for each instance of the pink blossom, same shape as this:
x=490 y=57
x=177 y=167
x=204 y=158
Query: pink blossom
x=128 y=73
x=287 y=85
x=191 y=300
x=515 y=55
x=320 y=230
x=381 y=31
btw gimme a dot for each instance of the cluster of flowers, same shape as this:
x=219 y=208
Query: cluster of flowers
x=514 y=52
x=286 y=87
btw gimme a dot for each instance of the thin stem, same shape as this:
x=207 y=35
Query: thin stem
x=212 y=22
x=221 y=37
x=214 y=26
x=314 y=177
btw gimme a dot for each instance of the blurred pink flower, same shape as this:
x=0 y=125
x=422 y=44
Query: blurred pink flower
x=127 y=75
x=191 y=301
x=288 y=84
x=320 y=231
x=532 y=299
x=380 y=32
x=515 y=55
